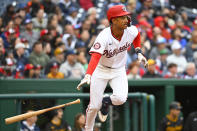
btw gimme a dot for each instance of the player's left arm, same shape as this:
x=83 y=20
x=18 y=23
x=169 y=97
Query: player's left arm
x=137 y=46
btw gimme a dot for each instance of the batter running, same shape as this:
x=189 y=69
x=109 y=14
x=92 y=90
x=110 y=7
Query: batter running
x=107 y=64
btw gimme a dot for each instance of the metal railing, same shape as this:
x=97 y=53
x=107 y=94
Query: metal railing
x=143 y=115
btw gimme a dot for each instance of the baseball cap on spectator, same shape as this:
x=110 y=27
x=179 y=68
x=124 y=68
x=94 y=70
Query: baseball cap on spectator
x=151 y=62
x=172 y=7
x=175 y=105
x=80 y=44
x=163 y=52
x=54 y=65
x=19 y=45
x=43 y=32
x=11 y=31
x=29 y=67
x=161 y=40
x=58 y=51
x=27 y=21
x=175 y=45
x=72 y=9
x=70 y=52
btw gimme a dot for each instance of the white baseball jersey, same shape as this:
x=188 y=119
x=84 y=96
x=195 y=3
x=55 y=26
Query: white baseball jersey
x=113 y=51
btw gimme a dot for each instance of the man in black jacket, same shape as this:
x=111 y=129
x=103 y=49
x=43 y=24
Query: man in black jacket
x=191 y=122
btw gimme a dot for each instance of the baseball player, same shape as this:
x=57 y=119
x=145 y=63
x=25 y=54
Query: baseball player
x=107 y=64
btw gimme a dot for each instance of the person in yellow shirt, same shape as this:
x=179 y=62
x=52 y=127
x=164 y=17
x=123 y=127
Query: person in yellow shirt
x=172 y=121
x=54 y=73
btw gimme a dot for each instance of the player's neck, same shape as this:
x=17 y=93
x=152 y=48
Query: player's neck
x=117 y=32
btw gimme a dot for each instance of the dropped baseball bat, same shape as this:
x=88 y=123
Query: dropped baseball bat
x=17 y=118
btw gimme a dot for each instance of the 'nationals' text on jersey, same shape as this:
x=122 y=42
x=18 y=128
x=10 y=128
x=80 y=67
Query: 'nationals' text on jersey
x=114 y=52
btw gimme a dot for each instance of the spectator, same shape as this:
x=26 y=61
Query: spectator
x=195 y=24
x=82 y=59
x=71 y=68
x=2 y=52
x=57 y=122
x=2 y=28
x=33 y=6
x=68 y=29
x=29 y=34
x=191 y=122
x=177 y=57
x=30 y=124
x=69 y=41
x=131 y=6
x=190 y=71
x=191 y=47
x=65 y=5
x=38 y=56
x=59 y=58
x=53 y=22
x=172 y=121
x=10 y=63
x=8 y=14
x=9 y=37
x=134 y=71
x=17 y=23
x=19 y=55
x=160 y=45
x=29 y=71
x=152 y=72
x=172 y=71
x=37 y=71
x=79 y=124
x=47 y=49
x=39 y=22
x=161 y=61
x=72 y=17
x=178 y=35
x=159 y=22
x=54 y=73
x=49 y=6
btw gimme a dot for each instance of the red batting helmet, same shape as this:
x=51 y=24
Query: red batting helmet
x=115 y=11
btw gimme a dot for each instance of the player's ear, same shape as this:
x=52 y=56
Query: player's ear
x=129 y=20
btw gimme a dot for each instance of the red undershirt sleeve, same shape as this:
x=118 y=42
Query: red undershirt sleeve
x=95 y=57
x=137 y=41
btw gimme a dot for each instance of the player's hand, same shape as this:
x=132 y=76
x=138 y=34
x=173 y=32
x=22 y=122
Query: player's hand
x=85 y=80
x=142 y=59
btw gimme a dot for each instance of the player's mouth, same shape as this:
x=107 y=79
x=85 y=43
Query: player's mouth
x=125 y=25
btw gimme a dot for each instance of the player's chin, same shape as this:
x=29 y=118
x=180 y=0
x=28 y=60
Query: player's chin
x=125 y=26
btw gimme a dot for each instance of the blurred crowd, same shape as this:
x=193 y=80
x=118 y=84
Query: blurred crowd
x=51 y=39
x=57 y=123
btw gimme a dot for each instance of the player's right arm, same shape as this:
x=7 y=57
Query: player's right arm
x=137 y=46
x=96 y=52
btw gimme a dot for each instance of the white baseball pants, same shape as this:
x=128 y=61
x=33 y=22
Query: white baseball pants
x=117 y=79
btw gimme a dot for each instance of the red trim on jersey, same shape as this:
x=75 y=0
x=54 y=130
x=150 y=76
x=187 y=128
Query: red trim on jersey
x=95 y=57
x=90 y=52
x=115 y=36
x=137 y=41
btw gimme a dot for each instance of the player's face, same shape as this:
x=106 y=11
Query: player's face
x=121 y=22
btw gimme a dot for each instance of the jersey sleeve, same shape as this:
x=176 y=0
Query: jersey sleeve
x=99 y=44
x=133 y=31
